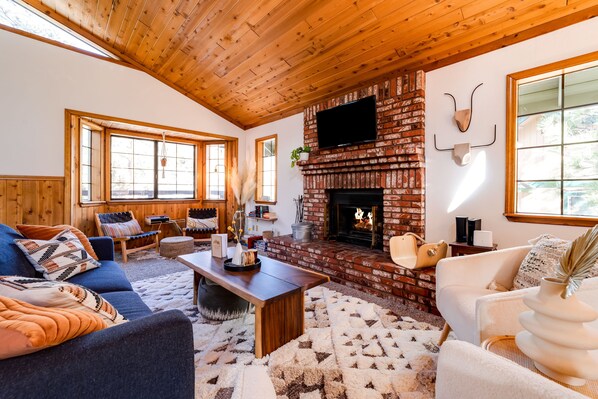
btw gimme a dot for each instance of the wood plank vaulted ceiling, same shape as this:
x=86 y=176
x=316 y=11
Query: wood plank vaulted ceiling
x=254 y=62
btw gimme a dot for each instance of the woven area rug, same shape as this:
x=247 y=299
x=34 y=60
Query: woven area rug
x=352 y=349
x=149 y=263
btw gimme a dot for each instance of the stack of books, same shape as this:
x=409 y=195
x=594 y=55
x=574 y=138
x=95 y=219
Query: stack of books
x=261 y=246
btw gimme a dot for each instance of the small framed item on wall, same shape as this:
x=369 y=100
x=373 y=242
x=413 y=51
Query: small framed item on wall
x=219 y=245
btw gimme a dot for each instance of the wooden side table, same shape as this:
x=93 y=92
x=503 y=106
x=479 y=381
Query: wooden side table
x=506 y=347
x=462 y=248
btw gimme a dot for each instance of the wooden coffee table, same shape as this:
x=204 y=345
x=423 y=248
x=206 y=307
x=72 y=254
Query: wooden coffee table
x=276 y=289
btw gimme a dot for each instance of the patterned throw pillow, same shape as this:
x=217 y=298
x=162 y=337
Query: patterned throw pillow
x=26 y=328
x=40 y=232
x=210 y=223
x=59 y=294
x=60 y=258
x=125 y=229
x=541 y=261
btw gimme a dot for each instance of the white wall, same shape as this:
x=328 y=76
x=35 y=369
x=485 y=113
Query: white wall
x=482 y=182
x=290 y=182
x=39 y=81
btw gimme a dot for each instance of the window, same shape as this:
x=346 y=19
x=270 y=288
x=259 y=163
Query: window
x=85 y=169
x=552 y=145
x=136 y=171
x=90 y=172
x=266 y=169
x=215 y=171
x=21 y=17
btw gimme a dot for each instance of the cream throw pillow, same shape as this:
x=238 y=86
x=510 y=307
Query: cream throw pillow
x=207 y=224
x=59 y=294
x=541 y=261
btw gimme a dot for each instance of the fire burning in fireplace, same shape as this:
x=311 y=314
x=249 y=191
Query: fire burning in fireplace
x=363 y=223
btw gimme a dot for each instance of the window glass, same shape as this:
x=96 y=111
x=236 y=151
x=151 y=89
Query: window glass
x=540 y=96
x=215 y=172
x=266 y=169
x=85 y=169
x=581 y=87
x=178 y=179
x=137 y=172
x=557 y=145
x=19 y=17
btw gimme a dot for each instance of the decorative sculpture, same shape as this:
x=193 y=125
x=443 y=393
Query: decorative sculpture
x=463 y=116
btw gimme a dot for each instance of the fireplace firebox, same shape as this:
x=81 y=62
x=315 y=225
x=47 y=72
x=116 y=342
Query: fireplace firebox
x=356 y=217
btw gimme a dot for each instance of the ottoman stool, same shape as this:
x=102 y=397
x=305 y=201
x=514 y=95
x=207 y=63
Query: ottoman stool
x=217 y=303
x=171 y=247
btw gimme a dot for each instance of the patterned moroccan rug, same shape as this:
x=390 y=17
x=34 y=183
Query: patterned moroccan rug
x=352 y=349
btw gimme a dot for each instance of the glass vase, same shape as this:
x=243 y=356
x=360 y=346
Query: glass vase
x=239 y=222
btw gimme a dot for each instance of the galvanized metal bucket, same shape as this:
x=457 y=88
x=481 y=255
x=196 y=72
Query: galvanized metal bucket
x=302 y=231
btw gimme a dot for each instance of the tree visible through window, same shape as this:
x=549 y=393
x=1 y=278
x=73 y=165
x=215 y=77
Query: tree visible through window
x=556 y=144
x=85 y=169
x=266 y=169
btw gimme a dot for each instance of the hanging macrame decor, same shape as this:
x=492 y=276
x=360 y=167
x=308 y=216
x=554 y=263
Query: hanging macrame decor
x=163 y=159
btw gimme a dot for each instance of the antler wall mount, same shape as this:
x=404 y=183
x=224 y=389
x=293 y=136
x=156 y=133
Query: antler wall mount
x=462 y=151
x=463 y=116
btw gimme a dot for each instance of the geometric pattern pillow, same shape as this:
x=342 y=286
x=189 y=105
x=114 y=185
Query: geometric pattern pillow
x=40 y=232
x=541 y=261
x=59 y=294
x=26 y=328
x=125 y=229
x=209 y=223
x=60 y=258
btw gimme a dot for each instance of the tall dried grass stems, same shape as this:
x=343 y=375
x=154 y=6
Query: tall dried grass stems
x=577 y=263
x=243 y=182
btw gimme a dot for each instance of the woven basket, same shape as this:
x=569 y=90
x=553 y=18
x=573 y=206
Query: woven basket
x=172 y=247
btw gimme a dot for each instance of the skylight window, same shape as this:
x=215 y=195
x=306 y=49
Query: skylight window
x=17 y=16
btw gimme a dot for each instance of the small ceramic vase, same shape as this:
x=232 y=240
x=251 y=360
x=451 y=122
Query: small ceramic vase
x=557 y=340
x=238 y=256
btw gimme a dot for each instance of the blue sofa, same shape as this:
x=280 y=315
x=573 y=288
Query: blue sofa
x=151 y=356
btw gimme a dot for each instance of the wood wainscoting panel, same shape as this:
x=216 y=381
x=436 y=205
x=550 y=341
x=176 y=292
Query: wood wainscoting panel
x=31 y=200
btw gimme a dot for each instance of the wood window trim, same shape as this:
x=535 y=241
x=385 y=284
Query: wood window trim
x=204 y=149
x=541 y=72
x=257 y=170
x=108 y=169
x=72 y=210
x=102 y=188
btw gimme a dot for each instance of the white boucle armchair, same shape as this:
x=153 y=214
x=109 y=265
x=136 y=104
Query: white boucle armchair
x=469 y=307
x=472 y=310
x=466 y=371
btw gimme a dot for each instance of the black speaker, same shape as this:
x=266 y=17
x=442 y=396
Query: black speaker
x=461 y=222
x=472 y=224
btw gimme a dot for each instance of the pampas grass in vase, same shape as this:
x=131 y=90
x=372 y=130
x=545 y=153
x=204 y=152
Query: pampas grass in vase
x=243 y=183
x=243 y=186
x=556 y=333
x=577 y=263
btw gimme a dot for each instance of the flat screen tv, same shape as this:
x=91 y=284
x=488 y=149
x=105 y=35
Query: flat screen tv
x=350 y=123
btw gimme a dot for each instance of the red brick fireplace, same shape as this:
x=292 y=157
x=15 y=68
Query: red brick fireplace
x=394 y=164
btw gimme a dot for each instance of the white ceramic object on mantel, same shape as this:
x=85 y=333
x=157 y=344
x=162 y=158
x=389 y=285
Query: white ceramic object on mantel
x=303 y=156
x=557 y=340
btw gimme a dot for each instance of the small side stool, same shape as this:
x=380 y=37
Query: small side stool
x=171 y=247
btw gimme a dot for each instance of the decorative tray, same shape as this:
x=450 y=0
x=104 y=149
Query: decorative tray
x=231 y=267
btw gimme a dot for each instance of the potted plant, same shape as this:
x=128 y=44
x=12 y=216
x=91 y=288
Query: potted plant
x=300 y=154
